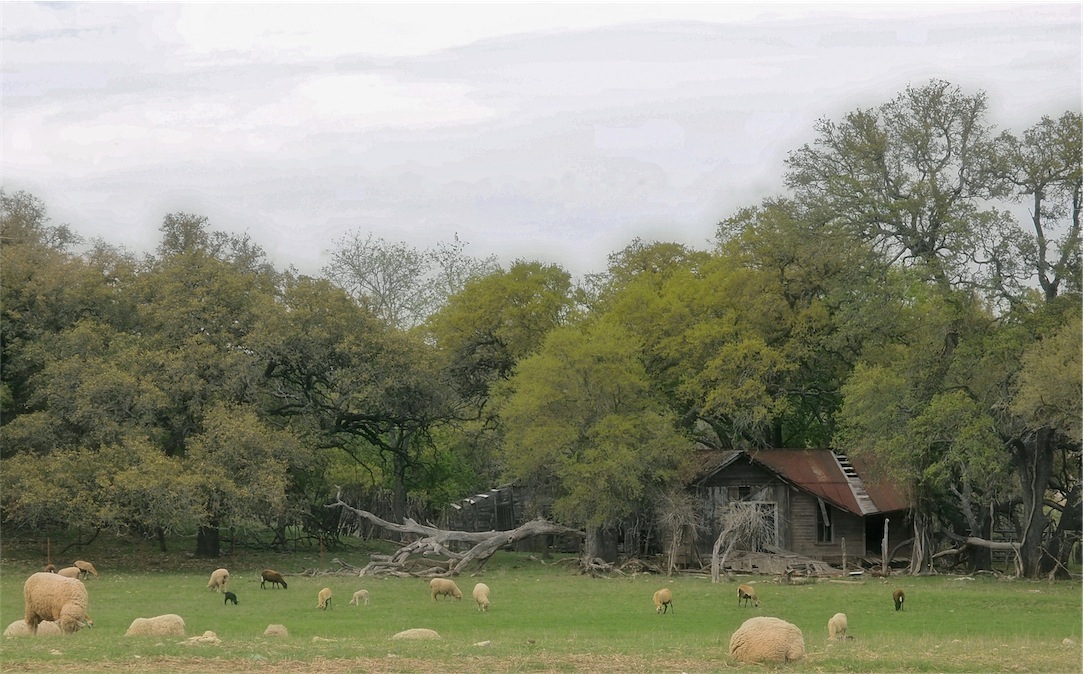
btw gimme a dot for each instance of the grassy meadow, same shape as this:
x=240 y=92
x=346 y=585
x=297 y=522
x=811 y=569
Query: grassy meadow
x=544 y=618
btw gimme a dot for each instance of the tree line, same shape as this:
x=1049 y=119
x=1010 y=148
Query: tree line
x=913 y=298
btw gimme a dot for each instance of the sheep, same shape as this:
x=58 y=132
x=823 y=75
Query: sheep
x=897 y=598
x=275 y=630
x=445 y=587
x=86 y=568
x=837 y=627
x=49 y=596
x=50 y=568
x=481 y=595
x=360 y=596
x=19 y=628
x=70 y=572
x=218 y=580
x=747 y=592
x=324 y=599
x=764 y=639
x=229 y=596
x=417 y=633
x=663 y=599
x=273 y=577
x=168 y=625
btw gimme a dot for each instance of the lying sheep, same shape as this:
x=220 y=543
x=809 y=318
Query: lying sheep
x=663 y=599
x=218 y=581
x=273 y=577
x=19 y=628
x=86 y=569
x=481 y=595
x=360 y=596
x=70 y=572
x=444 y=587
x=897 y=598
x=324 y=599
x=837 y=627
x=764 y=639
x=747 y=592
x=168 y=625
x=49 y=596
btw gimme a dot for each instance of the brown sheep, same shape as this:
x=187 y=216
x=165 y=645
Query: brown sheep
x=273 y=577
x=747 y=592
x=897 y=598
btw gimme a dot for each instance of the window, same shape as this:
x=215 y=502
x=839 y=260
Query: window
x=824 y=523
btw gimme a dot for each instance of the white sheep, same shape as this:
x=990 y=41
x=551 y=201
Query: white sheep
x=481 y=595
x=70 y=572
x=417 y=633
x=49 y=596
x=747 y=592
x=323 y=600
x=361 y=596
x=837 y=627
x=86 y=568
x=218 y=581
x=168 y=625
x=764 y=639
x=276 y=631
x=444 y=587
x=19 y=628
x=663 y=599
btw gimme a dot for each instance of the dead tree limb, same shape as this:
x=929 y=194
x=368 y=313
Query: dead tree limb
x=434 y=542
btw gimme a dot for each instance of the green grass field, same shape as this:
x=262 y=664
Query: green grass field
x=543 y=618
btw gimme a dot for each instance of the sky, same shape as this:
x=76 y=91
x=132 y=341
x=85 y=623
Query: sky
x=555 y=132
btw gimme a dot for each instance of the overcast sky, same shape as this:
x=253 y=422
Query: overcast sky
x=554 y=132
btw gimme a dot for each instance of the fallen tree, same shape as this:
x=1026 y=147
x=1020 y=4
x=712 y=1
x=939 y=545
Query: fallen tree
x=418 y=557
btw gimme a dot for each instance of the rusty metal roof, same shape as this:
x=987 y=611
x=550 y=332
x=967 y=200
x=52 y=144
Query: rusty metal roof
x=819 y=472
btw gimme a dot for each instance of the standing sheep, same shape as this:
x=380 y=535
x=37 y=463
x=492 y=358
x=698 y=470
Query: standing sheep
x=747 y=592
x=70 y=572
x=444 y=587
x=49 y=596
x=481 y=595
x=897 y=599
x=323 y=600
x=764 y=639
x=218 y=580
x=360 y=596
x=837 y=627
x=663 y=599
x=86 y=568
x=273 y=577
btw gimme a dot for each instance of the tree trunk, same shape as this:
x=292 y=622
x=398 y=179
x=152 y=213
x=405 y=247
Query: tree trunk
x=920 y=548
x=1056 y=561
x=1035 y=463
x=600 y=544
x=207 y=542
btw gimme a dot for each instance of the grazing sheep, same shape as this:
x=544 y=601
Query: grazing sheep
x=49 y=596
x=50 y=568
x=837 y=627
x=764 y=639
x=360 y=596
x=86 y=568
x=481 y=595
x=19 y=628
x=663 y=599
x=897 y=598
x=324 y=599
x=445 y=587
x=218 y=580
x=747 y=592
x=168 y=625
x=229 y=597
x=70 y=572
x=273 y=577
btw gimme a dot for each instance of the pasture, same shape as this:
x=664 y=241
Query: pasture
x=544 y=618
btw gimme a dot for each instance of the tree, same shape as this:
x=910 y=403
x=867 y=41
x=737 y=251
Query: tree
x=582 y=427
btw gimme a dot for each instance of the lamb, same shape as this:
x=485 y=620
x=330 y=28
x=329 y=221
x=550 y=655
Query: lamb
x=663 y=599
x=229 y=596
x=445 y=587
x=747 y=592
x=481 y=595
x=837 y=627
x=273 y=577
x=86 y=568
x=324 y=599
x=360 y=596
x=168 y=625
x=218 y=580
x=897 y=598
x=50 y=596
x=764 y=639
x=70 y=572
